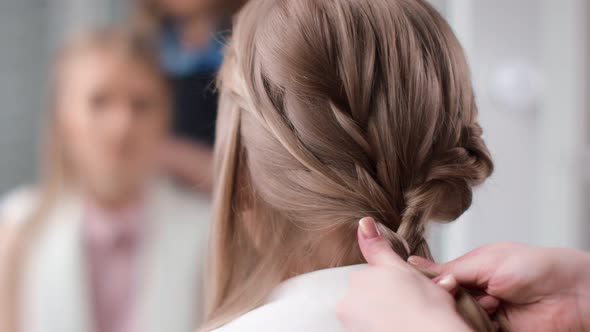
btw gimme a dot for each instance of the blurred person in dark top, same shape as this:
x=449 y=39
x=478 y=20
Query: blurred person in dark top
x=190 y=35
x=104 y=242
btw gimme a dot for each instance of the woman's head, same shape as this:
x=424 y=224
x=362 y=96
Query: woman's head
x=332 y=111
x=110 y=114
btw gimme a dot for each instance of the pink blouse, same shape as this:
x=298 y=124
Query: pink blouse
x=111 y=241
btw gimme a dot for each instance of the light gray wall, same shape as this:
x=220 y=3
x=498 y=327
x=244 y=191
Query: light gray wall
x=537 y=192
x=23 y=59
x=503 y=32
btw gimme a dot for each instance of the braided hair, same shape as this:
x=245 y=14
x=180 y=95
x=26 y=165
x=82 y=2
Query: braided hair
x=330 y=111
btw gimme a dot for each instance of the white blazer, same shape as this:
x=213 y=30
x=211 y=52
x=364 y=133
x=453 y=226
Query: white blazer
x=56 y=294
x=303 y=303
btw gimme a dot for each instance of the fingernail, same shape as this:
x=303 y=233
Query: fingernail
x=368 y=228
x=447 y=282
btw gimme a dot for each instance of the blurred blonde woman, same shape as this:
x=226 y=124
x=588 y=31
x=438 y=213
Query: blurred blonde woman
x=104 y=243
x=330 y=111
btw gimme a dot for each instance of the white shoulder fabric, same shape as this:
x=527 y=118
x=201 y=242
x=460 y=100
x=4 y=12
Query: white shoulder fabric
x=56 y=297
x=304 y=303
x=17 y=204
x=174 y=260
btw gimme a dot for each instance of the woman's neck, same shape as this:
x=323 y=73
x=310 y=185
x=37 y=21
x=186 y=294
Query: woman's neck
x=196 y=31
x=112 y=199
x=331 y=250
x=114 y=205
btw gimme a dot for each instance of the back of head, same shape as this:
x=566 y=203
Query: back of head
x=333 y=110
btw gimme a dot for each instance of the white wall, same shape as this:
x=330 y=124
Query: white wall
x=535 y=49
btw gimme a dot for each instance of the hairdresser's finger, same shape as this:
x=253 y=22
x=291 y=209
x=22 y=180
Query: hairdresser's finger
x=423 y=263
x=472 y=269
x=448 y=283
x=489 y=303
x=374 y=247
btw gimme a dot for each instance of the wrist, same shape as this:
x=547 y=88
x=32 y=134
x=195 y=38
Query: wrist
x=583 y=290
x=574 y=286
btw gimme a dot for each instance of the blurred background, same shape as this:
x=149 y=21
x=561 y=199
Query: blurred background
x=530 y=64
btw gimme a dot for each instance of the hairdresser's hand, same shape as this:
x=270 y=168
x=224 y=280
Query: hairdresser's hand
x=191 y=162
x=7 y=245
x=536 y=289
x=7 y=242
x=390 y=295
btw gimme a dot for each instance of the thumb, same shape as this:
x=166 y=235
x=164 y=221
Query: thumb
x=374 y=247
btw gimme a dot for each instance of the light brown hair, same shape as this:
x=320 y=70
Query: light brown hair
x=55 y=175
x=330 y=111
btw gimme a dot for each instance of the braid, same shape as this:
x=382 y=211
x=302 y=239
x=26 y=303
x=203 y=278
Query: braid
x=446 y=191
x=444 y=195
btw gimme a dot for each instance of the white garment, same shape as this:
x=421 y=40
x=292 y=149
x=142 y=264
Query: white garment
x=305 y=303
x=56 y=294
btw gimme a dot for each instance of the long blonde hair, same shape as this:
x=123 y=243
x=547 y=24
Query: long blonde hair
x=55 y=174
x=330 y=111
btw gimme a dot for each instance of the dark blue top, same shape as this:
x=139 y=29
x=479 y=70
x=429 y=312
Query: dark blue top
x=192 y=76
